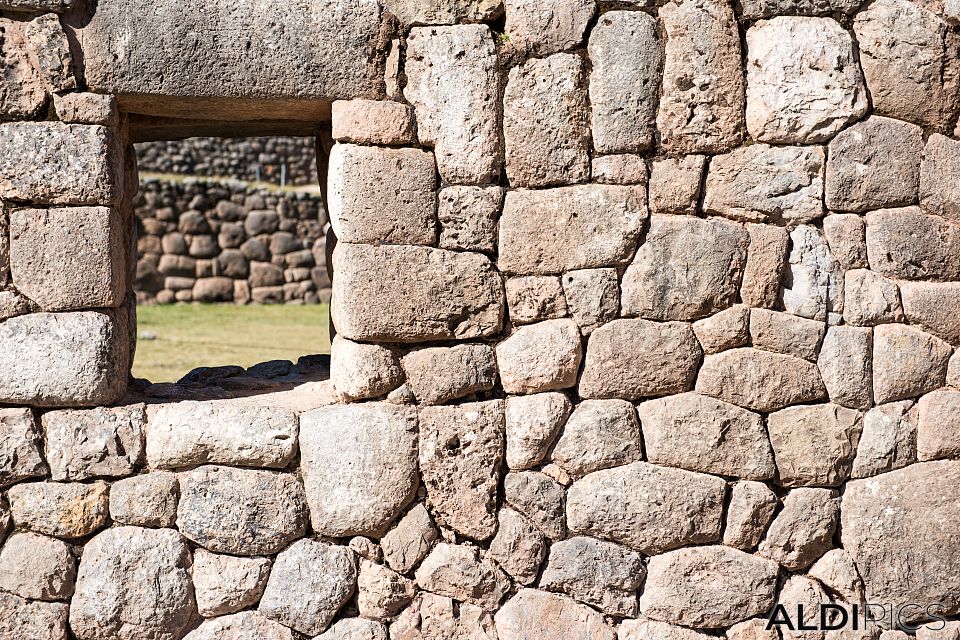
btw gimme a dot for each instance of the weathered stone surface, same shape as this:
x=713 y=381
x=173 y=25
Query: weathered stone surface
x=37 y=567
x=870 y=299
x=241 y=511
x=754 y=9
x=938 y=426
x=627 y=62
x=675 y=184
x=468 y=217
x=582 y=227
x=65 y=359
x=914 y=504
x=246 y=624
x=415 y=12
x=226 y=584
x=46 y=38
x=838 y=572
x=725 y=330
x=541 y=28
x=25 y=88
x=633 y=359
x=355 y=629
x=938 y=193
x=535 y=298
x=813 y=286
x=539 y=498
x=598 y=573
x=452 y=84
x=910 y=63
x=62 y=510
x=907 y=362
x=133 y=584
x=623 y=168
x=708 y=587
x=702 y=105
x=592 y=297
x=540 y=357
x=938 y=630
x=19 y=447
x=846 y=237
x=803 y=530
x=12 y=304
x=459 y=572
x=338 y=48
x=536 y=615
x=646 y=507
x=874 y=164
x=814 y=444
x=183 y=434
x=888 y=441
x=599 y=434
x=86 y=108
x=953 y=370
x=408 y=543
x=54 y=163
x=699 y=433
x=546 y=122
x=68 y=258
x=373 y=122
x=532 y=424
x=441 y=618
x=439 y=374
x=846 y=364
x=377 y=195
x=22 y=618
x=382 y=592
x=461 y=449
x=803 y=80
x=766 y=259
x=361 y=371
x=148 y=500
x=519 y=547
x=670 y=280
x=801 y=591
x=308 y=584
x=908 y=244
x=760 y=380
x=647 y=629
x=452 y=295
x=359 y=466
x=933 y=307
x=100 y=442
x=748 y=514
x=785 y=333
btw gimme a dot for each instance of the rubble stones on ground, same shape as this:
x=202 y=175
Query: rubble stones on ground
x=599 y=434
x=532 y=424
x=437 y=375
x=462 y=573
x=907 y=362
x=803 y=530
x=749 y=513
x=409 y=542
x=760 y=380
x=540 y=357
x=362 y=371
x=20 y=457
x=59 y=509
x=814 y=445
x=148 y=500
x=37 y=567
x=226 y=584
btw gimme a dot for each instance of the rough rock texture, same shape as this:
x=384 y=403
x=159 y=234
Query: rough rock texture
x=408 y=543
x=540 y=499
x=452 y=85
x=582 y=227
x=846 y=364
x=728 y=329
x=540 y=357
x=461 y=573
x=870 y=299
x=62 y=510
x=37 y=567
x=20 y=457
x=440 y=374
x=535 y=615
x=133 y=584
x=382 y=592
x=148 y=500
x=622 y=168
x=907 y=362
x=749 y=513
x=241 y=512
x=814 y=445
x=707 y=587
x=361 y=371
x=413 y=12
x=813 y=286
x=908 y=244
x=939 y=194
x=21 y=618
x=803 y=530
x=546 y=128
x=933 y=307
x=399 y=308
x=246 y=624
x=355 y=629
x=669 y=280
x=535 y=298
x=598 y=573
x=766 y=259
x=461 y=450
x=888 y=440
x=544 y=27
x=633 y=359
x=699 y=433
x=599 y=434
x=373 y=122
x=226 y=584
x=938 y=425
x=96 y=443
x=803 y=81
x=468 y=217
x=702 y=106
x=359 y=466
x=532 y=424
x=846 y=236
x=646 y=507
x=785 y=333
x=675 y=184
x=592 y=296
x=908 y=504
x=519 y=547
x=800 y=591
x=759 y=380
x=626 y=66
x=646 y=629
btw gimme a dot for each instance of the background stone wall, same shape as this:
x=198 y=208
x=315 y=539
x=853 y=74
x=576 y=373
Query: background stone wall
x=647 y=322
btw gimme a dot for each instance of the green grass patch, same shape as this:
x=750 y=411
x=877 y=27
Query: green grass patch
x=187 y=336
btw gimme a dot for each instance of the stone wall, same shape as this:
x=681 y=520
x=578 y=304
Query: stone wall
x=647 y=323
x=228 y=242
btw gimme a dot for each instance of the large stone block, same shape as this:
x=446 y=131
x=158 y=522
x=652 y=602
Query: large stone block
x=803 y=80
x=64 y=359
x=536 y=615
x=761 y=183
x=416 y=12
x=540 y=357
x=436 y=375
x=54 y=163
x=460 y=572
x=377 y=195
x=902 y=530
x=22 y=618
x=373 y=122
x=938 y=192
x=359 y=466
x=468 y=217
x=686 y=269
x=907 y=362
x=37 y=567
x=555 y=230
x=599 y=434
x=702 y=106
x=938 y=426
x=753 y=9
x=453 y=85
x=888 y=440
x=546 y=122
x=911 y=245
x=101 y=442
x=543 y=27
x=766 y=258
x=760 y=380
x=246 y=624
x=934 y=307
x=414 y=294
x=649 y=508
x=814 y=445
x=870 y=299
x=135 y=49
x=59 y=509
x=24 y=87
x=626 y=64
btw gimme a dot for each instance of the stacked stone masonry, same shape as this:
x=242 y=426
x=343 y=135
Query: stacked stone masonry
x=647 y=321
